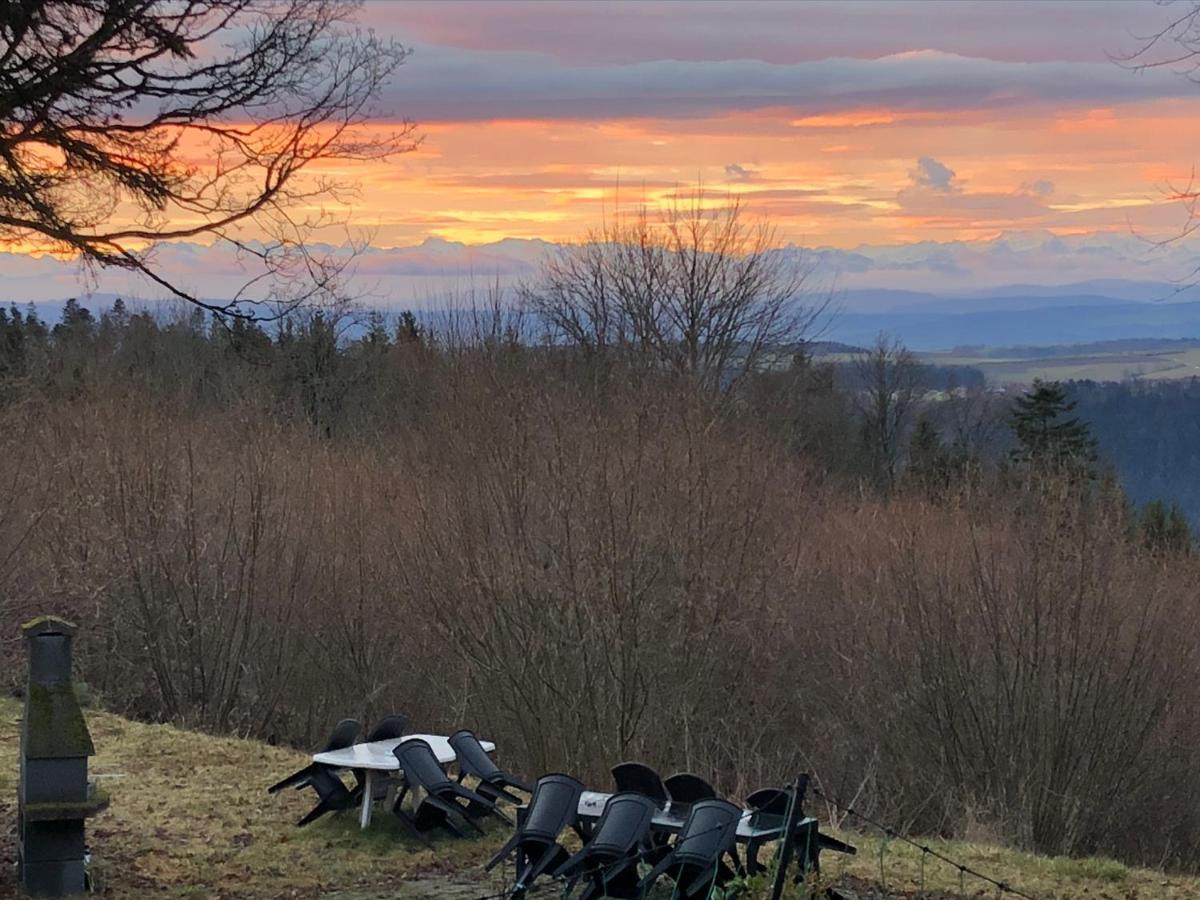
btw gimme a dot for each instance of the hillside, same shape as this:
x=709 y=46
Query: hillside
x=1024 y=321
x=190 y=817
x=1097 y=363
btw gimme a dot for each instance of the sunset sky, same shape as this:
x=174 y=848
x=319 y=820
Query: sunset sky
x=885 y=125
x=844 y=123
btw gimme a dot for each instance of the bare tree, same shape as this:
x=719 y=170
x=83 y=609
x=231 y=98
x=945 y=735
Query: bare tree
x=105 y=103
x=889 y=377
x=700 y=291
x=1175 y=46
x=976 y=421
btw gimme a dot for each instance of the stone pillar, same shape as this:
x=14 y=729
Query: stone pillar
x=54 y=795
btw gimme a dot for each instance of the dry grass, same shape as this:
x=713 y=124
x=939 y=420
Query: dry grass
x=190 y=817
x=1051 y=878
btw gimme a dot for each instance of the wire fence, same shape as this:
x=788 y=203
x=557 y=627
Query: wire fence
x=927 y=852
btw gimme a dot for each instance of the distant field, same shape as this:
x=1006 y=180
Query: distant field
x=1115 y=366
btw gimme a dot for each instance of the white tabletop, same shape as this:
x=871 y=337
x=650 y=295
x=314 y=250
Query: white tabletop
x=592 y=803
x=379 y=755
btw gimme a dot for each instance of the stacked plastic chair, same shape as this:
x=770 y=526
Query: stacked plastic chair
x=553 y=808
x=608 y=862
x=695 y=861
x=473 y=760
x=442 y=806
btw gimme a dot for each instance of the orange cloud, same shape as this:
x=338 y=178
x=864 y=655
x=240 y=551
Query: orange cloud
x=830 y=179
x=854 y=119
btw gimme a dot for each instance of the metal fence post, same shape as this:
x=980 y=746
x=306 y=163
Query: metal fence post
x=795 y=813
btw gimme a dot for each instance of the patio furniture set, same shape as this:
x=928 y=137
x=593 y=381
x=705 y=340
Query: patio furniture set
x=678 y=827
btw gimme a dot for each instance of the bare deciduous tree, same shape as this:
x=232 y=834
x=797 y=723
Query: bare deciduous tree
x=700 y=292
x=106 y=104
x=889 y=376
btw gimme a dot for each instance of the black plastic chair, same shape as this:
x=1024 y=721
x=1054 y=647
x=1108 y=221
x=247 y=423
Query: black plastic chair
x=553 y=807
x=473 y=760
x=640 y=778
x=344 y=733
x=769 y=800
x=770 y=805
x=333 y=795
x=695 y=861
x=441 y=806
x=684 y=789
x=609 y=860
x=388 y=728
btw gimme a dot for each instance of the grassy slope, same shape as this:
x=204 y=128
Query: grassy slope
x=190 y=817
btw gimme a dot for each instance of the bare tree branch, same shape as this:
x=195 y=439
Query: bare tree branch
x=105 y=103
x=699 y=292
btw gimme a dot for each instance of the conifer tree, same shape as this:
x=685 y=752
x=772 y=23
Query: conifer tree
x=1048 y=437
x=77 y=323
x=12 y=343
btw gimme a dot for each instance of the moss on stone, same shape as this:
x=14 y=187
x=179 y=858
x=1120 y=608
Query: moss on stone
x=41 y=623
x=60 y=810
x=54 y=723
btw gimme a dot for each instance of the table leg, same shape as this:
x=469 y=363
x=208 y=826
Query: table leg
x=390 y=800
x=364 y=818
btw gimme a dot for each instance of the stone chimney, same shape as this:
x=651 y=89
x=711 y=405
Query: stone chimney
x=54 y=795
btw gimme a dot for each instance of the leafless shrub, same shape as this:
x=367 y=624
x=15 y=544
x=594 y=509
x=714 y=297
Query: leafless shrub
x=885 y=396
x=700 y=292
x=590 y=569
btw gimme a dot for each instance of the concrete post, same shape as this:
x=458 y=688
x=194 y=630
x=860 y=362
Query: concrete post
x=54 y=796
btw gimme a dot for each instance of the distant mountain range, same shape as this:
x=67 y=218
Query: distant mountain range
x=1014 y=315
x=1008 y=318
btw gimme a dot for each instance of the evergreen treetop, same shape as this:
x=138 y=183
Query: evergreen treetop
x=1047 y=436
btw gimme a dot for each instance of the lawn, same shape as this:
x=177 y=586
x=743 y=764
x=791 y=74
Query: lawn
x=190 y=817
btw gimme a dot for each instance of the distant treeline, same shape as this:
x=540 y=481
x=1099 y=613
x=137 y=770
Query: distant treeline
x=1150 y=431
x=1051 y=351
x=336 y=371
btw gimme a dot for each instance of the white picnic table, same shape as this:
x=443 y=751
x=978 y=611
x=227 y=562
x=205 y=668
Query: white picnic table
x=750 y=827
x=379 y=756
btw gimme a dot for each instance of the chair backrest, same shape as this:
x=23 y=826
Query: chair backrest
x=553 y=806
x=388 y=728
x=710 y=830
x=639 y=777
x=686 y=788
x=769 y=800
x=471 y=756
x=624 y=824
x=420 y=765
x=343 y=735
